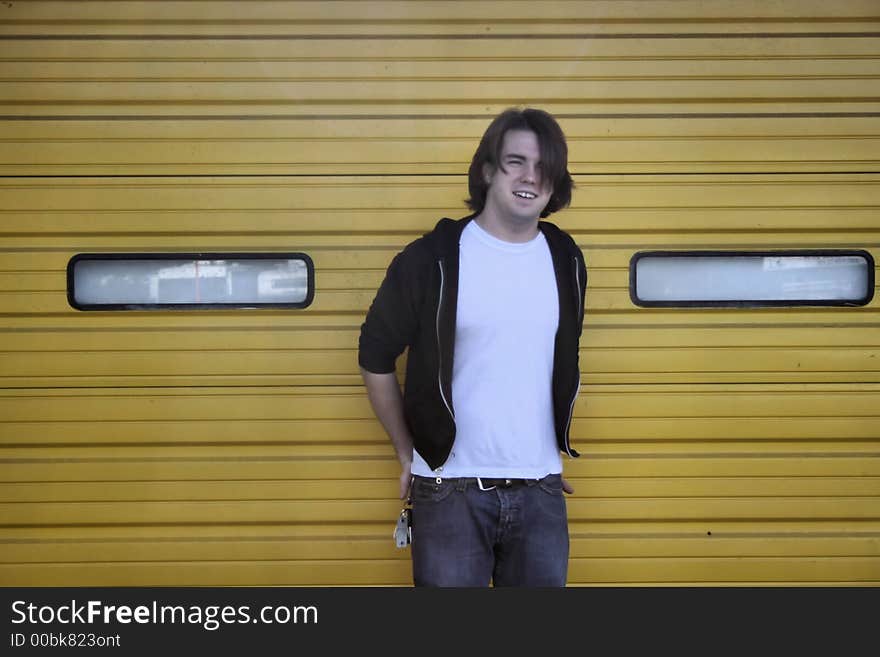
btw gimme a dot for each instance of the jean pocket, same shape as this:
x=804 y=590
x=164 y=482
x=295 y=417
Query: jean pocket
x=551 y=484
x=425 y=489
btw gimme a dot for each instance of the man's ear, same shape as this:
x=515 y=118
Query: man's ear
x=488 y=172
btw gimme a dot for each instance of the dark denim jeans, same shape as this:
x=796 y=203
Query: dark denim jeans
x=464 y=536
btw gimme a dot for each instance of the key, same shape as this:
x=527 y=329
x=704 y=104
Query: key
x=403 y=529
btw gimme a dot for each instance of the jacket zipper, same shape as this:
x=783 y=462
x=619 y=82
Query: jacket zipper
x=577 y=279
x=570 y=416
x=439 y=344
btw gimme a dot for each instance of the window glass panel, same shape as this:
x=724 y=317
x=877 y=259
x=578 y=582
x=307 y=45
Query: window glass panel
x=778 y=278
x=206 y=280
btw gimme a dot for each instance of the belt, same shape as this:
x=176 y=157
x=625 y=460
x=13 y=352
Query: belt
x=487 y=483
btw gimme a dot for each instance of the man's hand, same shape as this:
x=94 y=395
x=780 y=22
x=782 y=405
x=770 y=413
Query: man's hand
x=567 y=487
x=405 y=480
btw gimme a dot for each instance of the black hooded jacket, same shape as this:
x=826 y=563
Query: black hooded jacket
x=415 y=307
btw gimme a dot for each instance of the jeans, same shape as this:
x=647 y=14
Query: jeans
x=464 y=536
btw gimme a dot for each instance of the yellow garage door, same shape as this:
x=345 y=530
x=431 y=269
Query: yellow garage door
x=237 y=447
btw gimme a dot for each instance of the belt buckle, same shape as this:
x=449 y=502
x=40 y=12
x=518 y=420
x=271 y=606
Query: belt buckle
x=483 y=488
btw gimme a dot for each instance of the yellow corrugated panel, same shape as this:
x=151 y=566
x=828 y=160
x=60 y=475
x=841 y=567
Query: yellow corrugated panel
x=294 y=414
x=326 y=146
x=237 y=447
x=409 y=17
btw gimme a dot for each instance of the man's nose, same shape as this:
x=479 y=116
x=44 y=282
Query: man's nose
x=529 y=173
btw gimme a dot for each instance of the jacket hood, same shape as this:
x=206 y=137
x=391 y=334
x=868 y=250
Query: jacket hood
x=444 y=239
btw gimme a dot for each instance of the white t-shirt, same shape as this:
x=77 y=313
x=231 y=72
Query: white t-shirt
x=507 y=316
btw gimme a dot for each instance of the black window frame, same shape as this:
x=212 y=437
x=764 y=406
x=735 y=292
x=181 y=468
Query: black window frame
x=751 y=303
x=189 y=255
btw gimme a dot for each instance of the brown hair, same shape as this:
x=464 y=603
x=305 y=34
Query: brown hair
x=554 y=156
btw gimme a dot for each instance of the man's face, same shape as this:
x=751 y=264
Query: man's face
x=517 y=192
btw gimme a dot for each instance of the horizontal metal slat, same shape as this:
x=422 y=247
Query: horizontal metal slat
x=87 y=12
x=302 y=490
x=162 y=463
x=671 y=571
x=795 y=40
x=366 y=511
x=352 y=548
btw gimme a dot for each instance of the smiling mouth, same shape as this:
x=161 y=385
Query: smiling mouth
x=528 y=195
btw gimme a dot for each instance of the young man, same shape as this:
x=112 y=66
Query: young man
x=490 y=308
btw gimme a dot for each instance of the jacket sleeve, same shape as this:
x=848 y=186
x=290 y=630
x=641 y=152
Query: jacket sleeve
x=392 y=320
x=583 y=278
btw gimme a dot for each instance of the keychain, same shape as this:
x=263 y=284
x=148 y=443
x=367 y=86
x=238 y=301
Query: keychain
x=403 y=528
